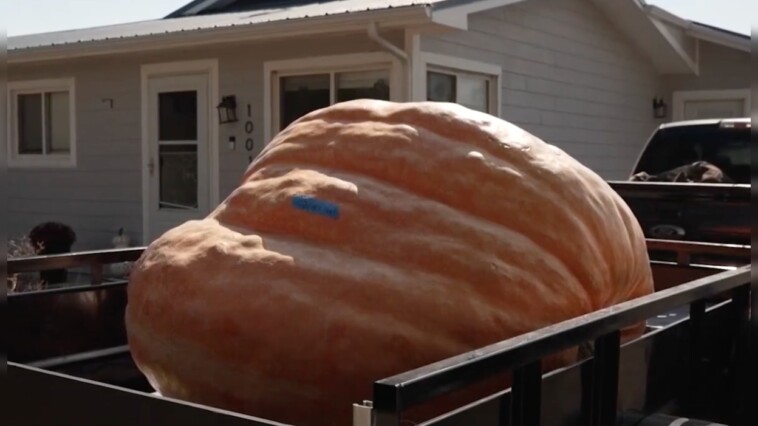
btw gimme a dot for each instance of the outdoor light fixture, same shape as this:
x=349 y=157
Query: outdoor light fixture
x=659 y=108
x=227 y=110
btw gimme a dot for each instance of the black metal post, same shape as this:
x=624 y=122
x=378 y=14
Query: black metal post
x=526 y=395
x=694 y=387
x=740 y=381
x=751 y=398
x=387 y=405
x=605 y=381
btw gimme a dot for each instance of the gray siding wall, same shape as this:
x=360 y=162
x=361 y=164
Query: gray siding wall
x=568 y=77
x=104 y=192
x=721 y=68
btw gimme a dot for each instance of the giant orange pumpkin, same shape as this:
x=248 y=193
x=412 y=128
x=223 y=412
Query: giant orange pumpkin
x=370 y=238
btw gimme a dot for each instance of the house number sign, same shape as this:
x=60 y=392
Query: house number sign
x=249 y=128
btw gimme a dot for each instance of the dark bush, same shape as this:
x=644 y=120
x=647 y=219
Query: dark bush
x=53 y=238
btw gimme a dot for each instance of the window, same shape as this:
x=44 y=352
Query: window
x=301 y=94
x=725 y=146
x=472 y=91
x=471 y=84
x=42 y=123
x=300 y=86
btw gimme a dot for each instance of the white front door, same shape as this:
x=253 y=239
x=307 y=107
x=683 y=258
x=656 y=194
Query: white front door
x=178 y=154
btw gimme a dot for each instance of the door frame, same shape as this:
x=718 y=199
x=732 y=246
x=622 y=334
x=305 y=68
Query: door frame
x=168 y=69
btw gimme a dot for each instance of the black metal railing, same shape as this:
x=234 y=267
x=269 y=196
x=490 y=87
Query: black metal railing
x=94 y=261
x=522 y=355
x=666 y=190
x=684 y=252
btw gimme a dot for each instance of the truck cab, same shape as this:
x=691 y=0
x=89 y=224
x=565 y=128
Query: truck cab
x=724 y=143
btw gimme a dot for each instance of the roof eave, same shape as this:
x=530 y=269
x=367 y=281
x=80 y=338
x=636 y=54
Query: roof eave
x=353 y=21
x=721 y=38
x=660 y=47
x=651 y=38
x=700 y=32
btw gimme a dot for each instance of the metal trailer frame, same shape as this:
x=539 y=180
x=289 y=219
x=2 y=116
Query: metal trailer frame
x=523 y=354
x=58 y=382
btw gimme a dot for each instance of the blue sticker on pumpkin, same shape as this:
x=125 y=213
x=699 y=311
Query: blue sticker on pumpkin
x=316 y=206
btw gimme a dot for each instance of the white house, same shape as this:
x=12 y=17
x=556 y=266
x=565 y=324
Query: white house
x=118 y=126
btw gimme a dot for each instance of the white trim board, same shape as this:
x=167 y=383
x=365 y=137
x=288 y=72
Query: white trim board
x=680 y=97
x=316 y=64
x=62 y=161
x=209 y=66
x=454 y=63
x=415 y=90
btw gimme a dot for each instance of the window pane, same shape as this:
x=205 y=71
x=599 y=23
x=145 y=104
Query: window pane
x=302 y=94
x=727 y=148
x=440 y=87
x=177 y=119
x=30 y=124
x=57 y=124
x=363 y=84
x=473 y=92
x=178 y=176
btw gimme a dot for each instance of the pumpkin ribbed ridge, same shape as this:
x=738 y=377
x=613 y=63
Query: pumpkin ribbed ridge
x=455 y=230
x=576 y=227
x=452 y=228
x=418 y=160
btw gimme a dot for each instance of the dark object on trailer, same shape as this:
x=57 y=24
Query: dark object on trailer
x=697 y=172
x=691 y=362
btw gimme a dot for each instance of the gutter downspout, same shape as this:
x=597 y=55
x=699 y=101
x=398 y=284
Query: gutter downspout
x=373 y=34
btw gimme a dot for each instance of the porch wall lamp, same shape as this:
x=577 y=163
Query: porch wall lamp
x=227 y=110
x=659 y=108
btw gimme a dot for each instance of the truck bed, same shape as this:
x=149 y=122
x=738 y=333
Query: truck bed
x=691 y=212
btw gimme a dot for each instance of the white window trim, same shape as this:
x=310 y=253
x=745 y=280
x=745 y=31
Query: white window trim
x=680 y=97
x=36 y=160
x=272 y=70
x=433 y=61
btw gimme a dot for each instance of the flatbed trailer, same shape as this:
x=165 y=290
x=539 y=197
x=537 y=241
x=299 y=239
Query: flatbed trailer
x=68 y=361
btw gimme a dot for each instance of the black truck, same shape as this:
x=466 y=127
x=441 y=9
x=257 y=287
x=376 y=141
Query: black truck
x=708 y=213
x=705 y=212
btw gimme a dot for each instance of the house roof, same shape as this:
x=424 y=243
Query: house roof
x=204 y=7
x=276 y=12
x=660 y=35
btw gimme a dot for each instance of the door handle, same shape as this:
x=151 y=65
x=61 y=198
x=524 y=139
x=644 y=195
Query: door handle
x=151 y=166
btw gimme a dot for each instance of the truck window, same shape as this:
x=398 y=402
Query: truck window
x=726 y=147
